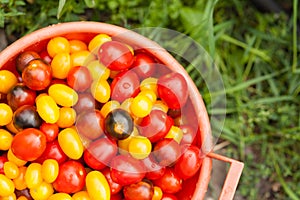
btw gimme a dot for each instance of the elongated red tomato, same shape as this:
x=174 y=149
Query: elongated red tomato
x=29 y=144
x=71 y=177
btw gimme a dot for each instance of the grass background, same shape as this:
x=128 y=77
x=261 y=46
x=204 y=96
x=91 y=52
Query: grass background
x=256 y=53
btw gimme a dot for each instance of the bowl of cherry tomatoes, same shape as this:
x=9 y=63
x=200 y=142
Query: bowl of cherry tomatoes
x=90 y=110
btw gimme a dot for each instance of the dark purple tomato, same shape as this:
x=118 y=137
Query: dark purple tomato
x=20 y=95
x=24 y=58
x=26 y=117
x=141 y=190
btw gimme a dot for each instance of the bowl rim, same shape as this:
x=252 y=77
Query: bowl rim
x=10 y=52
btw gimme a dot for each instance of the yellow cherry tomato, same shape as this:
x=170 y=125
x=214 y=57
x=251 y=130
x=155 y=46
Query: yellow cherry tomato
x=97 y=41
x=139 y=147
x=124 y=144
x=61 y=65
x=58 y=45
x=67 y=117
x=97 y=186
x=33 y=175
x=63 y=95
x=19 y=182
x=42 y=192
x=7 y=186
x=109 y=106
x=150 y=94
x=175 y=133
x=9 y=197
x=101 y=90
x=7 y=81
x=6 y=114
x=77 y=45
x=149 y=84
x=157 y=194
x=81 y=58
x=82 y=195
x=11 y=157
x=50 y=170
x=70 y=143
x=47 y=109
x=141 y=106
x=11 y=170
x=5 y=139
x=160 y=105
x=98 y=70
x=60 y=196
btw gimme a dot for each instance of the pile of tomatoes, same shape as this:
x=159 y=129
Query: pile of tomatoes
x=96 y=119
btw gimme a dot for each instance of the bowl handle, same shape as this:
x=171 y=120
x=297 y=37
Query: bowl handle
x=232 y=178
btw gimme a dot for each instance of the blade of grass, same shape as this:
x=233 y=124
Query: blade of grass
x=236 y=42
x=295 y=59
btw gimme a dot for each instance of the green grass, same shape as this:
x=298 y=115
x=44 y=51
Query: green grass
x=256 y=54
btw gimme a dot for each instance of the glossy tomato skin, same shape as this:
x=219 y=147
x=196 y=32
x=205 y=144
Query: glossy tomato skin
x=189 y=162
x=153 y=169
x=100 y=153
x=169 y=197
x=26 y=117
x=79 y=78
x=71 y=177
x=143 y=65
x=115 y=55
x=169 y=182
x=24 y=58
x=141 y=190
x=50 y=130
x=3 y=159
x=166 y=152
x=188 y=187
x=86 y=102
x=114 y=187
x=126 y=170
x=156 y=125
x=90 y=124
x=53 y=151
x=20 y=95
x=37 y=75
x=173 y=89
x=189 y=134
x=29 y=144
x=125 y=85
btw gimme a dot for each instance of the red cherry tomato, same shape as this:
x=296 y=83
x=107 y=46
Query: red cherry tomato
x=24 y=58
x=153 y=169
x=188 y=188
x=29 y=144
x=169 y=182
x=90 y=124
x=141 y=190
x=156 y=125
x=114 y=187
x=53 y=151
x=100 y=153
x=166 y=151
x=118 y=196
x=189 y=162
x=115 y=55
x=37 y=75
x=169 y=197
x=125 y=85
x=173 y=89
x=126 y=170
x=143 y=65
x=189 y=134
x=20 y=95
x=79 y=78
x=50 y=130
x=71 y=177
x=3 y=159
